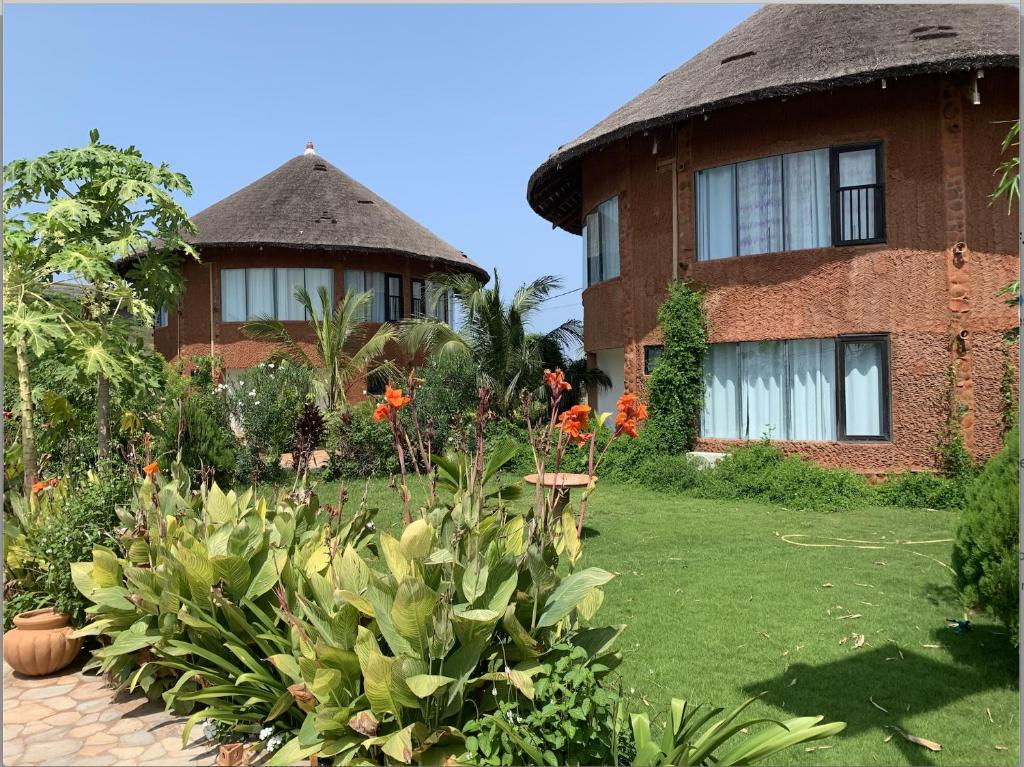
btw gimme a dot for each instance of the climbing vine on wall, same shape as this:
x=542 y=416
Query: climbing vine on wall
x=675 y=389
x=951 y=454
x=1008 y=388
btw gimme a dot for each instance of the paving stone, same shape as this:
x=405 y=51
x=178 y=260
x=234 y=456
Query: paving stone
x=47 y=750
x=126 y=754
x=42 y=693
x=125 y=726
x=63 y=718
x=25 y=713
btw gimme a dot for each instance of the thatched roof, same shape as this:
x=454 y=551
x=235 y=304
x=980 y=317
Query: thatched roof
x=308 y=203
x=785 y=50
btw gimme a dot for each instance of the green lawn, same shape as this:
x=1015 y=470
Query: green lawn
x=720 y=607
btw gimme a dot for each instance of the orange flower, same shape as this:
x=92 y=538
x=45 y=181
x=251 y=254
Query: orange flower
x=556 y=381
x=381 y=412
x=395 y=398
x=574 y=421
x=631 y=412
x=38 y=486
x=52 y=482
x=150 y=469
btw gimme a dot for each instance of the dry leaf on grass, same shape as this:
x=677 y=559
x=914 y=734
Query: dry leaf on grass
x=844 y=640
x=851 y=615
x=932 y=646
x=887 y=738
x=859 y=641
x=999 y=747
x=931 y=745
x=877 y=706
x=988 y=711
x=791 y=684
x=826 y=585
x=879 y=562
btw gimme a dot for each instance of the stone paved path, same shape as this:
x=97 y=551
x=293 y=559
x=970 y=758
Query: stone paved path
x=70 y=719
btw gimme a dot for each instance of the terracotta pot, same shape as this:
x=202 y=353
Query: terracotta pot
x=40 y=643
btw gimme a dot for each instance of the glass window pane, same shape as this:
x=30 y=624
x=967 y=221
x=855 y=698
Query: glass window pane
x=812 y=394
x=315 y=278
x=808 y=211
x=609 y=213
x=759 y=205
x=593 y=249
x=716 y=213
x=375 y=282
x=720 y=417
x=261 y=293
x=857 y=167
x=232 y=295
x=863 y=388
x=288 y=307
x=763 y=363
x=355 y=283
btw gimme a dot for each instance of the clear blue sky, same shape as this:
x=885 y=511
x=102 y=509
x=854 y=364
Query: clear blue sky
x=445 y=111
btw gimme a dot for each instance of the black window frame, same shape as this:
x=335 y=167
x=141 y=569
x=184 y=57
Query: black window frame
x=389 y=314
x=648 y=348
x=886 y=385
x=418 y=294
x=836 y=191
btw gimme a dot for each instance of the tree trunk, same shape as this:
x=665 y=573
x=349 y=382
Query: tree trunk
x=28 y=439
x=102 y=417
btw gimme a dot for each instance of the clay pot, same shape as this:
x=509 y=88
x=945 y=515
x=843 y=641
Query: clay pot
x=233 y=755
x=40 y=643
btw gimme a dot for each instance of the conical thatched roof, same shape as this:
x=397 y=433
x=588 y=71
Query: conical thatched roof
x=784 y=50
x=308 y=203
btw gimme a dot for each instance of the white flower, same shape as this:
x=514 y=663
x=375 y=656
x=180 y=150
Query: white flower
x=494 y=691
x=270 y=365
x=266 y=732
x=256 y=402
x=252 y=392
x=274 y=743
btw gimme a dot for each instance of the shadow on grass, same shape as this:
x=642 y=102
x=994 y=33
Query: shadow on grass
x=903 y=681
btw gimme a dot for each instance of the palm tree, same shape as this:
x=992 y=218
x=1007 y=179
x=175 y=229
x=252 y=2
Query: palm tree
x=508 y=358
x=345 y=346
x=576 y=370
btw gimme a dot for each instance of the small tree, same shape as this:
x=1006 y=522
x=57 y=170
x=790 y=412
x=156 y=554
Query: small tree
x=74 y=214
x=346 y=346
x=675 y=388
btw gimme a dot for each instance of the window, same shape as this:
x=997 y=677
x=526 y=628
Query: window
x=795 y=201
x=419 y=297
x=393 y=309
x=430 y=300
x=250 y=293
x=360 y=282
x=601 y=242
x=161 y=317
x=807 y=389
x=651 y=354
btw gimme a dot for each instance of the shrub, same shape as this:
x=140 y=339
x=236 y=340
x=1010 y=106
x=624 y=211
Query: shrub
x=671 y=473
x=448 y=393
x=205 y=439
x=266 y=402
x=675 y=388
x=761 y=472
x=921 y=489
x=309 y=434
x=570 y=721
x=358 y=446
x=987 y=546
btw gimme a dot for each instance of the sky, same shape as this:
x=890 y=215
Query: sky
x=444 y=110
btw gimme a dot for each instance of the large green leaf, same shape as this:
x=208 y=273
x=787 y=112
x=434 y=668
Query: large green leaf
x=416 y=540
x=569 y=592
x=411 y=614
x=425 y=685
x=268 y=573
x=233 y=571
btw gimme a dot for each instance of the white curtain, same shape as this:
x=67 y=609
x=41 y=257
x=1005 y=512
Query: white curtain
x=812 y=394
x=716 y=213
x=763 y=364
x=287 y=281
x=375 y=282
x=315 y=278
x=720 y=417
x=863 y=388
x=609 y=213
x=857 y=206
x=261 y=293
x=808 y=214
x=759 y=204
x=232 y=295
x=436 y=302
x=592 y=249
x=355 y=283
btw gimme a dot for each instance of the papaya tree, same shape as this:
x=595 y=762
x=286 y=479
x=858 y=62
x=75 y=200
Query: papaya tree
x=79 y=216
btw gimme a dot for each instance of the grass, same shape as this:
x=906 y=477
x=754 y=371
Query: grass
x=721 y=604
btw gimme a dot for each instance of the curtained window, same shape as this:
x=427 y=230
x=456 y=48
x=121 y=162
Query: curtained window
x=316 y=279
x=161 y=318
x=393 y=307
x=232 y=295
x=248 y=294
x=260 y=293
x=601 y=242
x=811 y=199
x=789 y=390
x=360 y=282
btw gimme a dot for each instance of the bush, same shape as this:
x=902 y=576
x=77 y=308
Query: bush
x=671 y=473
x=570 y=721
x=266 y=402
x=358 y=446
x=921 y=489
x=987 y=546
x=761 y=472
x=206 y=439
x=447 y=395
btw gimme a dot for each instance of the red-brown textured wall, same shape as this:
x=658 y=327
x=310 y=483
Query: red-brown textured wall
x=187 y=333
x=940 y=151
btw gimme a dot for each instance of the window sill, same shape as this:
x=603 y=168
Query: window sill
x=739 y=441
x=824 y=250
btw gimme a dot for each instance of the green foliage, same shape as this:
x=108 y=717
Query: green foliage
x=59 y=527
x=675 y=388
x=951 y=454
x=761 y=472
x=1009 y=170
x=309 y=435
x=446 y=396
x=570 y=721
x=671 y=473
x=205 y=439
x=921 y=489
x=987 y=548
x=358 y=446
x=266 y=402
x=695 y=735
x=1008 y=385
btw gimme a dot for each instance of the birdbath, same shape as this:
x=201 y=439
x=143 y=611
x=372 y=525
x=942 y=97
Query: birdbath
x=563 y=484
